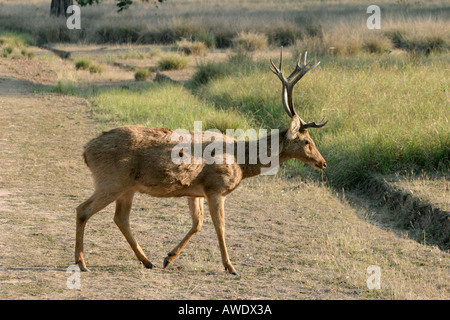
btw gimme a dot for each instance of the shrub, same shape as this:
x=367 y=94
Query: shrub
x=28 y=54
x=283 y=36
x=7 y=50
x=224 y=38
x=314 y=30
x=83 y=64
x=376 y=44
x=141 y=75
x=196 y=48
x=417 y=43
x=173 y=61
x=207 y=37
x=94 y=68
x=250 y=41
x=64 y=88
x=207 y=72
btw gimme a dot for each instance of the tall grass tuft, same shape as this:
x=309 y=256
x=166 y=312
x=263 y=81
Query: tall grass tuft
x=250 y=41
x=82 y=64
x=141 y=75
x=173 y=61
x=196 y=48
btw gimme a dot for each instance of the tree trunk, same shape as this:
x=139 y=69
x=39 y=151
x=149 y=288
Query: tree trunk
x=59 y=7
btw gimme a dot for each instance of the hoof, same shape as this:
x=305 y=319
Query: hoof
x=82 y=267
x=166 y=262
x=231 y=271
x=149 y=265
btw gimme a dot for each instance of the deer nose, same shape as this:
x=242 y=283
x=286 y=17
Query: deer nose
x=324 y=165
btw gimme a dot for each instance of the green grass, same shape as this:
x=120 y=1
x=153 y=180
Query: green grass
x=11 y=41
x=163 y=105
x=384 y=116
x=250 y=41
x=15 y=39
x=386 y=113
x=173 y=61
x=94 y=68
x=86 y=64
x=141 y=75
x=82 y=64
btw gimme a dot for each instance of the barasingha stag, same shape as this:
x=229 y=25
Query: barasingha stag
x=132 y=159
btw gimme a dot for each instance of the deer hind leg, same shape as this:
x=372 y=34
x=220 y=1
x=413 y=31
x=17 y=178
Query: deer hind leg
x=87 y=209
x=216 y=209
x=196 y=209
x=122 y=220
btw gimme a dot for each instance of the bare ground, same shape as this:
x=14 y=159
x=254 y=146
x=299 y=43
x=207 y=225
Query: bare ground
x=287 y=238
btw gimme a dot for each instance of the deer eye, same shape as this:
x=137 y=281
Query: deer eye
x=307 y=142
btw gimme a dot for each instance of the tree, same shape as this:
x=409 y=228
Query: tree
x=59 y=7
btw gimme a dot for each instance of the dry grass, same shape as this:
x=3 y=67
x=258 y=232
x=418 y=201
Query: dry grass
x=173 y=61
x=141 y=75
x=289 y=238
x=196 y=48
x=313 y=246
x=434 y=189
x=249 y=41
x=337 y=24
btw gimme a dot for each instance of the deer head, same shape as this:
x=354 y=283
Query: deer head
x=298 y=143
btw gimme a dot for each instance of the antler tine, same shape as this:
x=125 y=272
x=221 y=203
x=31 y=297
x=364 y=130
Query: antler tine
x=274 y=68
x=289 y=83
x=301 y=71
x=281 y=57
x=285 y=96
x=306 y=125
x=297 y=69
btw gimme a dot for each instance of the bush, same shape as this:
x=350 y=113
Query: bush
x=86 y=64
x=376 y=44
x=173 y=61
x=250 y=41
x=196 y=48
x=7 y=50
x=28 y=54
x=224 y=38
x=141 y=75
x=417 y=43
x=283 y=36
x=82 y=64
x=207 y=72
x=207 y=37
x=93 y=68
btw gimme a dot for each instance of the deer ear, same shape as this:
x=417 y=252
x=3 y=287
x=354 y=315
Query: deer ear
x=294 y=126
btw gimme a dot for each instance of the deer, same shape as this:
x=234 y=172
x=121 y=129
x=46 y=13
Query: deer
x=135 y=158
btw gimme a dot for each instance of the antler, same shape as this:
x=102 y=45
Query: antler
x=288 y=86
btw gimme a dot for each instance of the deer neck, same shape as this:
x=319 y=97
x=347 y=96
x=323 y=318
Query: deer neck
x=269 y=155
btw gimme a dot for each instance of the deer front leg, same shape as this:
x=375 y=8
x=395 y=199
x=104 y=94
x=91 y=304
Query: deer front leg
x=196 y=209
x=216 y=209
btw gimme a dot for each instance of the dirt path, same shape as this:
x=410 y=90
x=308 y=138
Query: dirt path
x=289 y=240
